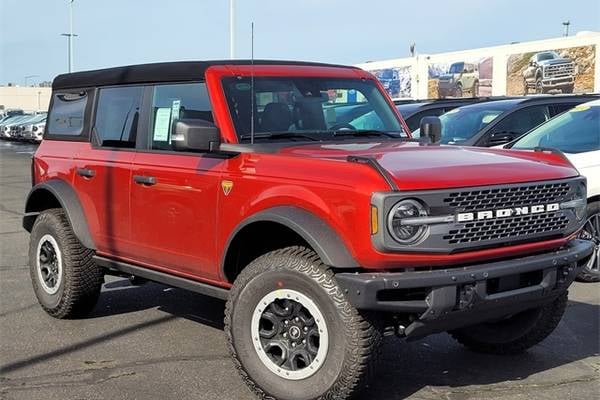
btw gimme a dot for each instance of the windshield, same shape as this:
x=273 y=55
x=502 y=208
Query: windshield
x=547 y=56
x=456 y=68
x=462 y=123
x=308 y=108
x=575 y=131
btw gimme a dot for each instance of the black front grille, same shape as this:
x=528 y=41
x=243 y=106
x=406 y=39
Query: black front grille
x=513 y=228
x=478 y=200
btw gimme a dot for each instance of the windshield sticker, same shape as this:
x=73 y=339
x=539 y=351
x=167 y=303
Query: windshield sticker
x=242 y=86
x=488 y=118
x=175 y=109
x=161 y=124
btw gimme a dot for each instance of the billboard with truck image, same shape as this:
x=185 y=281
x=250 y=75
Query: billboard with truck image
x=568 y=70
x=469 y=77
x=395 y=80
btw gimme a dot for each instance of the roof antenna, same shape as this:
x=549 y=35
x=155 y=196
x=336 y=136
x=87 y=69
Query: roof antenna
x=252 y=85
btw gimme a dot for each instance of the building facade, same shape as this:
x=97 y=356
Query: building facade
x=29 y=99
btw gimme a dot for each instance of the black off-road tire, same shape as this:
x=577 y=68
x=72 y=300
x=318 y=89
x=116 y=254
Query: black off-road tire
x=567 y=89
x=539 y=87
x=525 y=87
x=354 y=339
x=591 y=273
x=81 y=280
x=515 y=334
x=458 y=91
x=475 y=89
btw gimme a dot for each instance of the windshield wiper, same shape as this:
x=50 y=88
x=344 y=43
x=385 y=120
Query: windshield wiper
x=277 y=135
x=367 y=132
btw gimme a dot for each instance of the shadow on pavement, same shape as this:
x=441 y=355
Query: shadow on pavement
x=405 y=368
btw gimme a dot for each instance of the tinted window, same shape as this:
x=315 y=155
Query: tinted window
x=522 y=121
x=171 y=102
x=66 y=116
x=462 y=123
x=556 y=109
x=117 y=116
x=415 y=121
x=456 y=68
x=575 y=131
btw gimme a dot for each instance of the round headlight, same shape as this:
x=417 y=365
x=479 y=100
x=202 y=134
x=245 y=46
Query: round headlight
x=581 y=206
x=401 y=228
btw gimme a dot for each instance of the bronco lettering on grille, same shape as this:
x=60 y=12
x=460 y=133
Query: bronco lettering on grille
x=506 y=212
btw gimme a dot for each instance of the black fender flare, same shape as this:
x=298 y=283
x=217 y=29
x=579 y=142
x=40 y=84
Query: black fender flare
x=69 y=201
x=316 y=232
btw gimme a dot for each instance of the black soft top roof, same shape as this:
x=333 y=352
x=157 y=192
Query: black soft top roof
x=158 y=72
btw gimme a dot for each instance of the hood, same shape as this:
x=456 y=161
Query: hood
x=415 y=167
x=446 y=77
x=556 y=61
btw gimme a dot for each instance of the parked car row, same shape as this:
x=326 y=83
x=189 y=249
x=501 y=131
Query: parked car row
x=23 y=127
x=566 y=123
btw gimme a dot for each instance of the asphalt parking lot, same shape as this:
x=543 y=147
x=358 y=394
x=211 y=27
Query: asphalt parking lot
x=155 y=342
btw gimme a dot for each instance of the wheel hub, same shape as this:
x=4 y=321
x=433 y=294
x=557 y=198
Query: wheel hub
x=49 y=264
x=289 y=334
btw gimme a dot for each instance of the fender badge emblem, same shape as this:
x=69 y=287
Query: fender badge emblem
x=227 y=186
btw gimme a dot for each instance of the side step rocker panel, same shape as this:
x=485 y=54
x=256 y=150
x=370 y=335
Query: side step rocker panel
x=163 y=278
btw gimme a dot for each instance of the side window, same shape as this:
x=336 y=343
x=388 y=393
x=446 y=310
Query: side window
x=178 y=101
x=117 y=116
x=522 y=121
x=560 y=108
x=414 y=122
x=67 y=114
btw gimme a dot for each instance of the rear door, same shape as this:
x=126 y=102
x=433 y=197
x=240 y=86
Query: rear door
x=515 y=125
x=174 y=194
x=103 y=169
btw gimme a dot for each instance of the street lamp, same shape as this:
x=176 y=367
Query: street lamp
x=28 y=77
x=70 y=35
x=566 y=25
x=231 y=29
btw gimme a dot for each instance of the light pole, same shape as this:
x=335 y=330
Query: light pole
x=70 y=35
x=566 y=25
x=28 y=77
x=231 y=29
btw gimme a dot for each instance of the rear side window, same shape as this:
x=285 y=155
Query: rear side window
x=67 y=114
x=523 y=120
x=172 y=102
x=117 y=116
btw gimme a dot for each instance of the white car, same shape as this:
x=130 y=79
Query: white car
x=577 y=134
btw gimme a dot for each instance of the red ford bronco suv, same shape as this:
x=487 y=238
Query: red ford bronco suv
x=323 y=226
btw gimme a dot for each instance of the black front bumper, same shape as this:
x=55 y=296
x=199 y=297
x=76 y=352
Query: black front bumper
x=446 y=299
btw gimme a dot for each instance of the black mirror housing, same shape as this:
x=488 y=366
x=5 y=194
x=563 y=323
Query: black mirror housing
x=431 y=129
x=195 y=135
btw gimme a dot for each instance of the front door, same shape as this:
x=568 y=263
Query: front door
x=173 y=194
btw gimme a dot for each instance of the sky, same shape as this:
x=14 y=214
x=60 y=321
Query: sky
x=122 y=32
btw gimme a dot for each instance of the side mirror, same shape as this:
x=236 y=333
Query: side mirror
x=431 y=129
x=195 y=135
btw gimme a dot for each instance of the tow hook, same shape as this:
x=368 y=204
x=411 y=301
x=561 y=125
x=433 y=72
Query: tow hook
x=397 y=329
x=466 y=297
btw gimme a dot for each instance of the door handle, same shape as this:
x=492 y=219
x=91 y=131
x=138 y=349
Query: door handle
x=144 y=180
x=86 y=172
